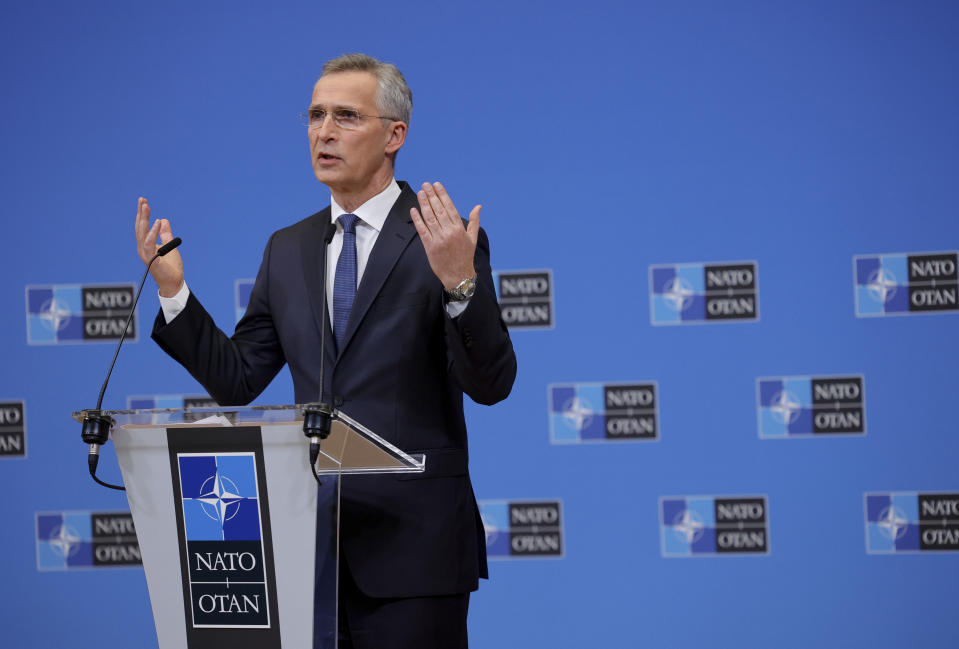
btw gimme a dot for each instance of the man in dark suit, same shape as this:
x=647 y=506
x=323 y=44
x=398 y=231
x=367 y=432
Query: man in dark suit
x=412 y=325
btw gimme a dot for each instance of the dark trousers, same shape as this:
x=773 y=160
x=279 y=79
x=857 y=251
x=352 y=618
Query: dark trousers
x=403 y=623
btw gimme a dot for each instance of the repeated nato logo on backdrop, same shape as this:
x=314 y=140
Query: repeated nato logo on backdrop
x=154 y=401
x=13 y=429
x=221 y=531
x=220 y=517
x=701 y=526
x=704 y=292
x=600 y=412
x=73 y=313
x=807 y=406
x=905 y=284
x=899 y=522
x=177 y=402
x=518 y=529
x=526 y=298
x=82 y=539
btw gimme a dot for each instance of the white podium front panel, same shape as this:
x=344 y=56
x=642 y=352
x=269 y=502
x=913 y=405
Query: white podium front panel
x=239 y=543
x=239 y=588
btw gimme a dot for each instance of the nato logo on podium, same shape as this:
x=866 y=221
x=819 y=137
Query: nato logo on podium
x=223 y=536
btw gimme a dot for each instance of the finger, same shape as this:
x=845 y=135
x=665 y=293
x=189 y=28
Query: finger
x=149 y=243
x=419 y=224
x=472 y=229
x=426 y=208
x=442 y=219
x=447 y=202
x=166 y=233
x=142 y=223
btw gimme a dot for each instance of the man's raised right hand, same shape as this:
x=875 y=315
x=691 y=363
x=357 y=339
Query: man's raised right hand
x=167 y=270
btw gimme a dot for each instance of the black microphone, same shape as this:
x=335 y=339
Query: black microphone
x=317 y=416
x=96 y=427
x=166 y=247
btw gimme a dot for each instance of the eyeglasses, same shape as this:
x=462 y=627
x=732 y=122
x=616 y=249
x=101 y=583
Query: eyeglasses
x=345 y=118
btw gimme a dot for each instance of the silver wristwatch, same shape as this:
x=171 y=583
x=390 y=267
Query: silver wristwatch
x=463 y=291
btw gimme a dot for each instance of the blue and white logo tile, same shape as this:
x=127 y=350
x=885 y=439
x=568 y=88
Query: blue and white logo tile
x=215 y=489
x=223 y=537
x=72 y=313
x=905 y=283
x=907 y=522
x=808 y=406
x=701 y=526
x=64 y=540
x=518 y=529
x=697 y=293
x=81 y=540
x=603 y=412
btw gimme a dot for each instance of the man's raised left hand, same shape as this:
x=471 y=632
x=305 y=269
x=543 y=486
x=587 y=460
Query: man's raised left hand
x=449 y=246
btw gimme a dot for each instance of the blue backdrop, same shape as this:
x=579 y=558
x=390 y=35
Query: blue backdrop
x=602 y=139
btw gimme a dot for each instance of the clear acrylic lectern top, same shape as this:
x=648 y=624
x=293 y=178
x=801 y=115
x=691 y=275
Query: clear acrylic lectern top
x=350 y=448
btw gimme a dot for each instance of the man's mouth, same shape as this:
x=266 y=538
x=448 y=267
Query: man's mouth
x=329 y=157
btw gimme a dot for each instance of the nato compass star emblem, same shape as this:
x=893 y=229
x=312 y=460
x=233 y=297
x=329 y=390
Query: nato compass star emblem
x=54 y=314
x=688 y=526
x=785 y=407
x=65 y=540
x=882 y=285
x=678 y=294
x=892 y=523
x=578 y=412
x=219 y=498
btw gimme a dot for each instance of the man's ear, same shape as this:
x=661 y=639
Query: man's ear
x=396 y=137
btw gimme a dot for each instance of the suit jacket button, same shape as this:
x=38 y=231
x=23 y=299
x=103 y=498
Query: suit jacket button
x=337 y=401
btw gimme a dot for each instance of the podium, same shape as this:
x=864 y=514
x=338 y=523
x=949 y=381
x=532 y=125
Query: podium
x=240 y=545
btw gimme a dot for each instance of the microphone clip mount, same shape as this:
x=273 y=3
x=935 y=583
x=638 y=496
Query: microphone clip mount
x=96 y=427
x=317 y=419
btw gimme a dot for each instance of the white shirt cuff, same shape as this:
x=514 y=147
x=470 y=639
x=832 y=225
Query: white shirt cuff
x=171 y=306
x=456 y=308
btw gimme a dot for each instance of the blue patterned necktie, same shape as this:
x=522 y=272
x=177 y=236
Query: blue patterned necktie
x=344 y=281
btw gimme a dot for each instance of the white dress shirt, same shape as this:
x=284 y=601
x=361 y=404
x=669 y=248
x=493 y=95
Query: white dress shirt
x=372 y=216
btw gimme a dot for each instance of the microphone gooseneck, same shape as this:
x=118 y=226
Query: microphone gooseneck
x=317 y=416
x=96 y=427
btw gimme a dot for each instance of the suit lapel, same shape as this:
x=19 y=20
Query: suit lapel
x=313 y=255
x=391 y=242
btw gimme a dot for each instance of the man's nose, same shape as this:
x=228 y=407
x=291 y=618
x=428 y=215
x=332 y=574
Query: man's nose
x=326 y=129
x=319 y=137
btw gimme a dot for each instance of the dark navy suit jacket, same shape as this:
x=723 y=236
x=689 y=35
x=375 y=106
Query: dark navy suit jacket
x=401 y=370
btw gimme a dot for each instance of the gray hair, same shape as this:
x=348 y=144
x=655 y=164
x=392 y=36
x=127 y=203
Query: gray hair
x=393 y=98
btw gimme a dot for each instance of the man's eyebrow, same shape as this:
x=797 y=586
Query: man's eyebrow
x=338 y=107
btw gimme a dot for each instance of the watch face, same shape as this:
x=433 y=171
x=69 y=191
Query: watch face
x=464 y=290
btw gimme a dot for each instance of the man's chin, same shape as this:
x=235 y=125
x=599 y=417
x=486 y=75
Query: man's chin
x=326 y=176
